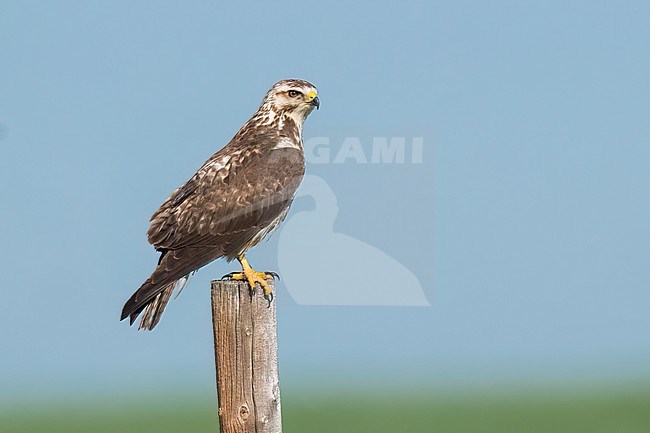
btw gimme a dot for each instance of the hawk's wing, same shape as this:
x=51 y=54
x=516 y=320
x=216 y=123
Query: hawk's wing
x=230 y=196
x=226 y=207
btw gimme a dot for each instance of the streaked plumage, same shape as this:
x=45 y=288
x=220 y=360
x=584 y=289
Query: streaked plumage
x=234 y=200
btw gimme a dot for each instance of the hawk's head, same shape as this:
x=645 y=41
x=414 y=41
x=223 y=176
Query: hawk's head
x=293 y=98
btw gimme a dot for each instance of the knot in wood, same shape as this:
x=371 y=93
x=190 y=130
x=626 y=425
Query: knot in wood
x=244 y=412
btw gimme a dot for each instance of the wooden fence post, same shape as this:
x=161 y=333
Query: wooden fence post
x=246 y=355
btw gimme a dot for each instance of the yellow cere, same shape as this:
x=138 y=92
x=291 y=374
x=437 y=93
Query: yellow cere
x=311 y=95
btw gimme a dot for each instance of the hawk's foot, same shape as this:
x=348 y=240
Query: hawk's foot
x=254 y=277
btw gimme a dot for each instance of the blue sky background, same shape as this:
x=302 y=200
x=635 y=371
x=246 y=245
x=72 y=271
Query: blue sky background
x=527 y=223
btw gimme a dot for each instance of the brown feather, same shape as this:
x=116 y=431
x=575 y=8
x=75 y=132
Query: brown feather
x=236 y=198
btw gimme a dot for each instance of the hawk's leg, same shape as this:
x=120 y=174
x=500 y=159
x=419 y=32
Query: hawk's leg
x=253 y=277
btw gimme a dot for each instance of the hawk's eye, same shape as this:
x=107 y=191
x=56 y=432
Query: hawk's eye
x=294 y=93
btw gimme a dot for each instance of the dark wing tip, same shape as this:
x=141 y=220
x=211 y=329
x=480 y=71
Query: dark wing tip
x=125 y=313
x=152 y=306
x=129 y=307
x=133 y=317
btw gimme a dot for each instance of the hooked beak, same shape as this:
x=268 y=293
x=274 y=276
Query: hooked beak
x=315 y=102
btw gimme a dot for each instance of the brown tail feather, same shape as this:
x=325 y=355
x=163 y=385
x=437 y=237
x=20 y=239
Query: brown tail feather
x=154 y=293
x=153 y=311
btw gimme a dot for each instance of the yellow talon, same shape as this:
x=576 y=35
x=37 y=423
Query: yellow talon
x=253 y=277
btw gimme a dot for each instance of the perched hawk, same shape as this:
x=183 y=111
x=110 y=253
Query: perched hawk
x=233 y=201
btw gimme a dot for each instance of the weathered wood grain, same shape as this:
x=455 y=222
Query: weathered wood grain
x=246 y=355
